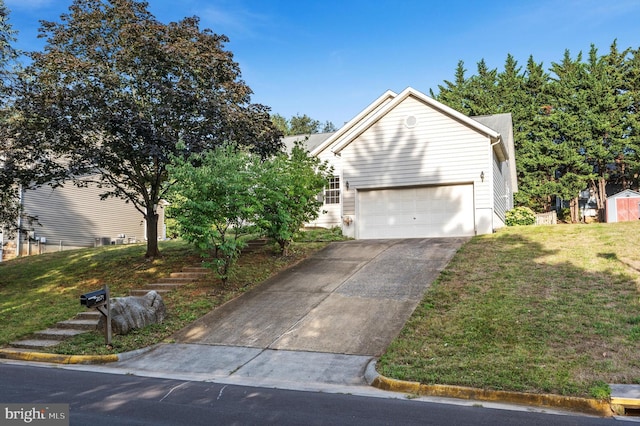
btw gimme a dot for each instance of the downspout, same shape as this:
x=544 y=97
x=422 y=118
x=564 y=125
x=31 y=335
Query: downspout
x=498 y=140
x=491 y=184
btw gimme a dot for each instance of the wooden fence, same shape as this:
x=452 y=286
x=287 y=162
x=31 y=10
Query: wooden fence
x=550 y=218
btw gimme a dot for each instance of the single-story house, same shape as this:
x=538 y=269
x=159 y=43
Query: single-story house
x=623 y=206
x=409 y=166
x=70 y=217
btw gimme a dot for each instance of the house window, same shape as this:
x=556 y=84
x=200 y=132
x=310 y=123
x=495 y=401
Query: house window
x=332 y=191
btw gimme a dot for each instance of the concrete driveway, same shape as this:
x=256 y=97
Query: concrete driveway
x=318 y=326
x=350 y=298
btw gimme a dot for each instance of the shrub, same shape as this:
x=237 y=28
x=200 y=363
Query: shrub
x=520 y=216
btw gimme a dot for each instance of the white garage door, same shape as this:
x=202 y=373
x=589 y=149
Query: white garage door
x=443 y=211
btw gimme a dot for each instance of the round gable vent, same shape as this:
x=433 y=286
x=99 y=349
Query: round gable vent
x=410 y=121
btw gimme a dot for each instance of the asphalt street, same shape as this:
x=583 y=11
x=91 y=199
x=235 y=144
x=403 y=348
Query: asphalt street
x=110 y=399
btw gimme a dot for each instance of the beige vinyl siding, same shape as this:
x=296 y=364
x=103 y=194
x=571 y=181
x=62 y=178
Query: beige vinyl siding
x=72 y=217
x=499 y=188
x=330 y=214
x=438 y=150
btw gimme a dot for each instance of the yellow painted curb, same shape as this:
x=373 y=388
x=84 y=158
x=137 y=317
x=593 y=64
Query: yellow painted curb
x=626 y=402
x=585 y=405
x=57 y=358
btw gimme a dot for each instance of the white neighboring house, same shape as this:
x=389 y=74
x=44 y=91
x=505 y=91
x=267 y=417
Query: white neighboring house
x=408 y=166
x=70 y=217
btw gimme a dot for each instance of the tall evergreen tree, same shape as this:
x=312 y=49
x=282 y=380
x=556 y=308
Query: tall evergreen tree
x=454 y=93
x=482 y=91
x=579 y=129
x=571 y=133
x=604 y=114
x=510 y=89
x=629 y=163
x=536 y=153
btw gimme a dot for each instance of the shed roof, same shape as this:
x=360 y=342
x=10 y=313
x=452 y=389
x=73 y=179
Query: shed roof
x=625 y=193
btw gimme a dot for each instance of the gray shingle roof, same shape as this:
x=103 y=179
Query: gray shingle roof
x=314 y=140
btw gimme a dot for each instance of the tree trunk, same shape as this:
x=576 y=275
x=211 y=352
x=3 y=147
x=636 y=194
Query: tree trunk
x=547 y=204
x=152 y=235
x=574 y=205
x=602 y=197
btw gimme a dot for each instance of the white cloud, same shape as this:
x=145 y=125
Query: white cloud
x=232 y=20
x=27 y=4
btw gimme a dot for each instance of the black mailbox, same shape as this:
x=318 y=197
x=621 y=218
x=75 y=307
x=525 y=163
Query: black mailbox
x=93 y=299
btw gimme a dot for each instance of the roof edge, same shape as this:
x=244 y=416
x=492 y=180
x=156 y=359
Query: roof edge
x=410 y=91
x=385 y=97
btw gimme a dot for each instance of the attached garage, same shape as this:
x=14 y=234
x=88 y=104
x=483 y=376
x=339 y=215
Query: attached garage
x=416 y=212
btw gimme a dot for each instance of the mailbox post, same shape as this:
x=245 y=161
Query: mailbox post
x=100 y=300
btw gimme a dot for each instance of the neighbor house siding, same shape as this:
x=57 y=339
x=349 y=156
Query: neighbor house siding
x=72 y=217
x=437 y=150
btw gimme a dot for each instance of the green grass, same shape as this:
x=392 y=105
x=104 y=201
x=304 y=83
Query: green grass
x=38 y=291
x=535 y=309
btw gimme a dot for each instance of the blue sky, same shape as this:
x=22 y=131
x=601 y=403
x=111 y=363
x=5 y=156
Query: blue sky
x=329 y=59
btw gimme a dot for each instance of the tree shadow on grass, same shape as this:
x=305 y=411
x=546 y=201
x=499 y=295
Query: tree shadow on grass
x=517 y=311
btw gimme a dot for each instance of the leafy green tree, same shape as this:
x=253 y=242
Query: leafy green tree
x=280 y=123
x=115 y=91
x=328 y=127
x=623 y=70
x=219 y=192
x=303 y=125
x=9 y=161
x=212 y=200
x=288 y=188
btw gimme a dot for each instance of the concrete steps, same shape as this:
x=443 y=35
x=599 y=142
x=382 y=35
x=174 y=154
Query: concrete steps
x=254 y=245
x=176 y=279
x=78 y=324
x=45 y=339
x=88 y=320
x=58 y=333
x=143 y=291
x=34 y=344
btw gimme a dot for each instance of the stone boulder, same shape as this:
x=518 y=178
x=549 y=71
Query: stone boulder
x=131 y=312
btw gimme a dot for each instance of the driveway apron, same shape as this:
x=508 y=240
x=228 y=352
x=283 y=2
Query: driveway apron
x=350 y=298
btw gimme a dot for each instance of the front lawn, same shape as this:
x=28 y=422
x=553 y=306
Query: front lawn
x=38 y=291
x=544 y=309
